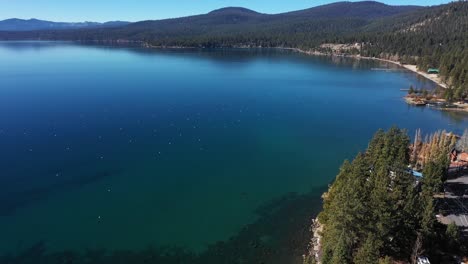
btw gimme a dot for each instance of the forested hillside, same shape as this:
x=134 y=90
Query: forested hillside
x=237 y=27
x=428 y=36
x=435 y=37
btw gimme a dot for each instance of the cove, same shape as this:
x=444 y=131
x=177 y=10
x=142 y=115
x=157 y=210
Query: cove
x=218 y=153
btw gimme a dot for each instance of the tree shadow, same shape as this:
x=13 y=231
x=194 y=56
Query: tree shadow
x=457 y=188
x=452 y=206
x=454 y=202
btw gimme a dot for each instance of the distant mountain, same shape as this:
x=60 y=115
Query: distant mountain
x=241 y=23
x=365 y=10
x=235 y=11
x=15 y=24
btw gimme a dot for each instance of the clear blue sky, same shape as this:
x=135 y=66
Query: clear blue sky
x=135 y=10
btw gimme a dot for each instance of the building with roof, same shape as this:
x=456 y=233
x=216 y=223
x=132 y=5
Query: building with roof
x=458 y=160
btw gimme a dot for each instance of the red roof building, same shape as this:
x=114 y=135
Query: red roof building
x=463 y=157
x=458 y=159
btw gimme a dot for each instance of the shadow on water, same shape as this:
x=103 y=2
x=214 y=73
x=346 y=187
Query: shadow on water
x=279 y=235
x=13 y=201
x=457 y=117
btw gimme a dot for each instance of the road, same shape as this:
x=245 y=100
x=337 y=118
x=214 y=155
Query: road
x=454 y=203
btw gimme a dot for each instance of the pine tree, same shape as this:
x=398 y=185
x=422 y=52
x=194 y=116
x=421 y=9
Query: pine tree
x=368 y=252
x=341 y=251
x=428 y=219
x=373 y=209
x=453 y=235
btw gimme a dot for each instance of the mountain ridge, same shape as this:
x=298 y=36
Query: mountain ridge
x=227 y=15
x=18 y=24
x=362 y=9
x=234 y=9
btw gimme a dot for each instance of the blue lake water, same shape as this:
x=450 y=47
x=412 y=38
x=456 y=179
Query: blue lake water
x=220 y=153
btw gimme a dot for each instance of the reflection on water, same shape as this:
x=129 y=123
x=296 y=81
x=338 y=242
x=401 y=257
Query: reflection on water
x=18 y=46
x=457 y=117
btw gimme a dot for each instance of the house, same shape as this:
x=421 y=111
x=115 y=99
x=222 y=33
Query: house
x=458 y=160
x=433 y=71
x=463 y=157
x=456 y=155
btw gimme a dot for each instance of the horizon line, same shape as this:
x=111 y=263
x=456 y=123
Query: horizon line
x=205 y=13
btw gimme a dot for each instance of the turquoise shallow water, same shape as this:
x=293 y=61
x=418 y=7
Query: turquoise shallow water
x=123 y=148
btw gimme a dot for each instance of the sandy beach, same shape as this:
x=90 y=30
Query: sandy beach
x=433 y=77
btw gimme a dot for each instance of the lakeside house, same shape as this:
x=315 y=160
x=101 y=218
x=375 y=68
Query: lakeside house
x=433 y=71
x=458 y=160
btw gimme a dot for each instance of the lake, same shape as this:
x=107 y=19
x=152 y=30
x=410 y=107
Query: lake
x=182 y=156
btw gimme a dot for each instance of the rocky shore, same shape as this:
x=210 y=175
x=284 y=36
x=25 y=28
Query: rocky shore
x=313 y=254
x=437 y=103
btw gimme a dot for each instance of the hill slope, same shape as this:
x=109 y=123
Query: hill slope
x=340 y=16
x=364 y=9
x=436 y=37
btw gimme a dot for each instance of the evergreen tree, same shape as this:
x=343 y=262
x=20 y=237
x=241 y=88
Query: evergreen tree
x=368 y=252
x=453 y=235
x=428 y=219
x=341 y=251
x=374 y=209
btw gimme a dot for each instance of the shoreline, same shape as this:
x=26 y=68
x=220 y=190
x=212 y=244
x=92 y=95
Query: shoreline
x=459 y=107
x=314 y=251
x=410 y=67
x=439 y=104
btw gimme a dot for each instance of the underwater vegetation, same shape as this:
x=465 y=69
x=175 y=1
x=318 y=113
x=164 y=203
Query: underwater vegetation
x=279 y=235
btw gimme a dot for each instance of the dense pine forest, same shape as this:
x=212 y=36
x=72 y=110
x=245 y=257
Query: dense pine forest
x=431 y=37
x=377 y=212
